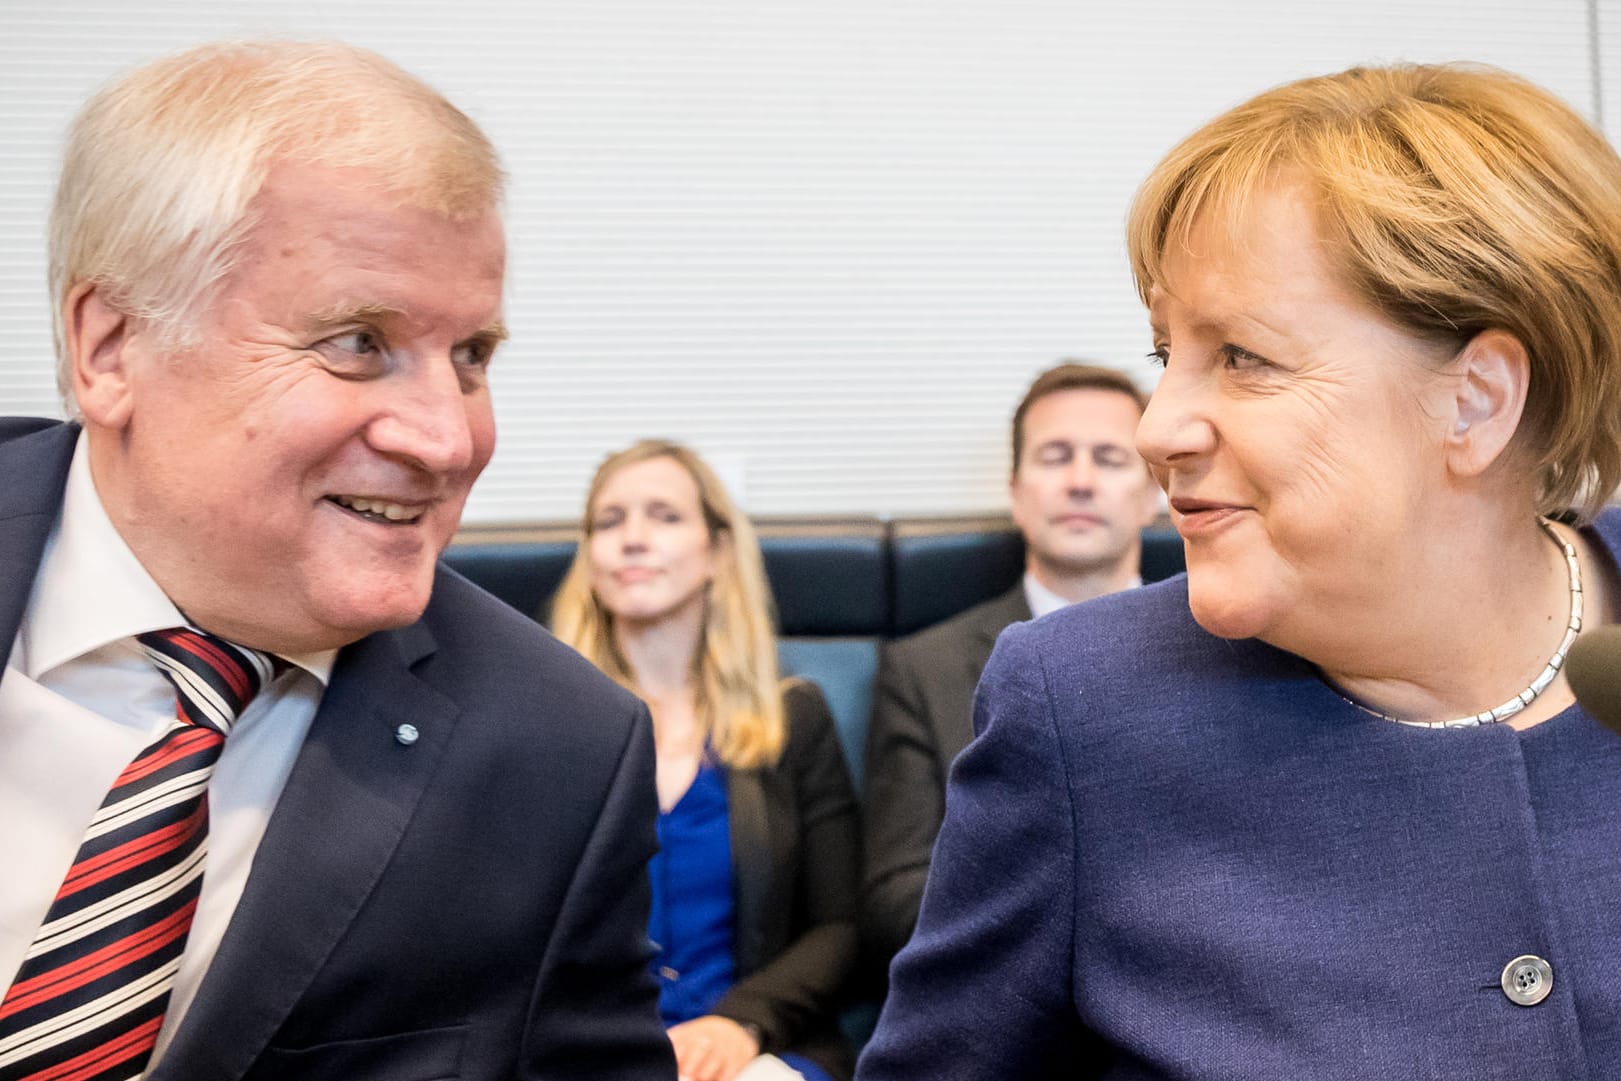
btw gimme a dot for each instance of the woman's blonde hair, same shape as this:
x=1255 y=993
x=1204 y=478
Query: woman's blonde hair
x=161 y=166
x=735 y=669
x=1456 y=198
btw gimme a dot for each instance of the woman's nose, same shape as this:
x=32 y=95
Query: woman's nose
x=1176 y=425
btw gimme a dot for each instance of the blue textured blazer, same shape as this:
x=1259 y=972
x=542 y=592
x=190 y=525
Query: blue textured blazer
x=471 y=906
x=1169 y=855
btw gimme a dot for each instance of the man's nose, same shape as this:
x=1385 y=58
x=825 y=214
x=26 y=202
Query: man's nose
x=427 y=419
x=1082 y=474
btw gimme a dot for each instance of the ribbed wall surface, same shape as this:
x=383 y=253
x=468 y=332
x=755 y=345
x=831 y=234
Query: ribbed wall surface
x=827 y=243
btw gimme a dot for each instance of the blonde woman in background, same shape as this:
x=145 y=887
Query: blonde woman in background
x=755 y=886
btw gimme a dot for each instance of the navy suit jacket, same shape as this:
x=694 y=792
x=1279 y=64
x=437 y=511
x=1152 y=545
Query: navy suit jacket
x=1168 y=855
x=473 y=905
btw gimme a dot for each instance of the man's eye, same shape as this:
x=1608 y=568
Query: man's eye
x=359 y=342
x=476 y=354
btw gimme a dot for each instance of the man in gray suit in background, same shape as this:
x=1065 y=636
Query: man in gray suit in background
x=1081 y=496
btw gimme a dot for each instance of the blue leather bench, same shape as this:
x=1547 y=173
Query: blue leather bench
x=842 y=586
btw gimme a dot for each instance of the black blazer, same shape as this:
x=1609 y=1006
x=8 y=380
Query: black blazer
x=922 y=716
x=473 y=905
x=795 y=871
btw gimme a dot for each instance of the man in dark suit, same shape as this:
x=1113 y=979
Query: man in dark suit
x=1081 y=496
x=424 y=824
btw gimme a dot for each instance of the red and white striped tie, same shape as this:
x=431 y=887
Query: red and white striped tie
x=88 y=1001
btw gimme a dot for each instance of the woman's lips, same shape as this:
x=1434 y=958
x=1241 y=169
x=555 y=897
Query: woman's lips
x=1197 y=518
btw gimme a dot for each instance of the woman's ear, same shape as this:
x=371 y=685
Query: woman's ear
x=721 y=543
x=721 y=553
x=96 y=337
x=1493 y=373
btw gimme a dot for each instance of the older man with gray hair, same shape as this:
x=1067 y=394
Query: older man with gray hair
x=279 y=795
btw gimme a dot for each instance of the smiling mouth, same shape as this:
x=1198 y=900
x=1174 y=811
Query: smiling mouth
x=377 y=510
x=1183 y=505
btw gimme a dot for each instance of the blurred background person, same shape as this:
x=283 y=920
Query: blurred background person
x=1326 y=807
x=1081 y=496
x=755 y=885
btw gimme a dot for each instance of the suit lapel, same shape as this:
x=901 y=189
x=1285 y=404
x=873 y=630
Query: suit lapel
x=750 y=825
x=36 y=469
x=1010 y=607
x=346 y=805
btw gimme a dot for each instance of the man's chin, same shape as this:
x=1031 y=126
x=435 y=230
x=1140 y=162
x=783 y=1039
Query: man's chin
x=343 y=618
x=1077 y=561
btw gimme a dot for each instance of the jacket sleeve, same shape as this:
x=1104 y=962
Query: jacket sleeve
x=983 y=992
x=801 y=986
x=594 y=1012
x=905 y=801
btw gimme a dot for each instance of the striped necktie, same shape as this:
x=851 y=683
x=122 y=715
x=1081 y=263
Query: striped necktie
x=89 y=999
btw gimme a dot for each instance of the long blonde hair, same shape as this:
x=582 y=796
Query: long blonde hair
x=734 y=670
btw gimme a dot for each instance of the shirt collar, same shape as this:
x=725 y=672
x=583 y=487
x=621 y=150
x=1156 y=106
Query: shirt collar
x=92 y=591
x=1044 y=601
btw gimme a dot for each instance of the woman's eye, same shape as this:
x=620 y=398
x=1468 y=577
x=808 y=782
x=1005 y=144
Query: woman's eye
x=1161 y=356
x=1240 y=359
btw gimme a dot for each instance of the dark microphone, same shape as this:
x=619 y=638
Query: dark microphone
x=1593 y=667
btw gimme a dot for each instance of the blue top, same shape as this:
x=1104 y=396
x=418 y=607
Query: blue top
x=691 y=920
x=693 y=913
x=1169 y=855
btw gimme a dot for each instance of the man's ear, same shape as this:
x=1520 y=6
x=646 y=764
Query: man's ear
x=1015 y=508
x=96 y=335
x=1493 y=373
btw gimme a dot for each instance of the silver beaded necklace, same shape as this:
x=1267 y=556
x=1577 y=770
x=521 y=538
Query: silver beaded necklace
x=1549 y=672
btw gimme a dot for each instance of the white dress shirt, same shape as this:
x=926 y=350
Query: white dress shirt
x=1044 y=601
x=79 y=700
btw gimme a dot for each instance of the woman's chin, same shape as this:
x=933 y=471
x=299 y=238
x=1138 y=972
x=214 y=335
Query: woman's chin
x=1227 y=613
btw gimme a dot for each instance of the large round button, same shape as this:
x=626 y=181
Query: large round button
x=1527 y=980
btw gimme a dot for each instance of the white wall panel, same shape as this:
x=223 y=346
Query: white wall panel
x=828 y=243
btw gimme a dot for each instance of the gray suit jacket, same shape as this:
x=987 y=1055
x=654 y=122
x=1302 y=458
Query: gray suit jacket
x=922 y=715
